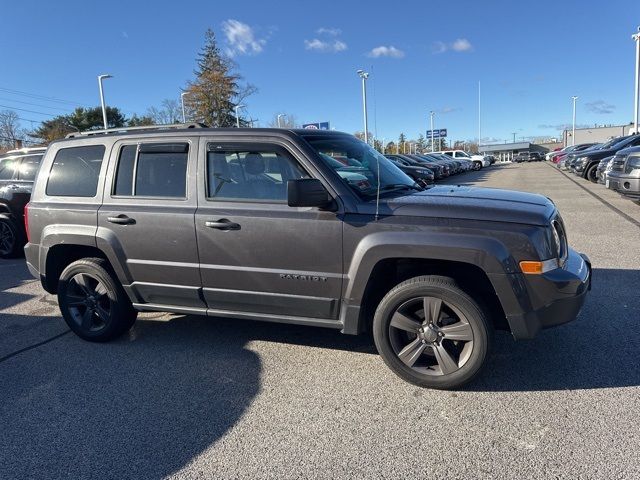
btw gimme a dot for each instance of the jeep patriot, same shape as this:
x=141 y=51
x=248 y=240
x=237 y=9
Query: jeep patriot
x=263 y=224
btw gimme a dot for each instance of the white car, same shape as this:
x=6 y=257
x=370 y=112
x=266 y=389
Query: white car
x=479 y=161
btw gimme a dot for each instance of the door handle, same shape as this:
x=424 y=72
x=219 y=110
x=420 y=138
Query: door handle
x=121 y=220
x=222 y=224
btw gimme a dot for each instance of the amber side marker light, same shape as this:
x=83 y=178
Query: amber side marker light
x=538 y=268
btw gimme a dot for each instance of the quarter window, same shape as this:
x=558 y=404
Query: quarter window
x=75 y=171
x=259 y=173
x=152 y=170
x=29 y=167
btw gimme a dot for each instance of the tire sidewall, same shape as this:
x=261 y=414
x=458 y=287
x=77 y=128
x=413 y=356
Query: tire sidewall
x=17 y=239
x=451 y=294
x=95 y=270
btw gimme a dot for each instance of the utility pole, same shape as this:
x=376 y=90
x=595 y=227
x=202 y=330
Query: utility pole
x=364 y=75
x=431 y=114
x=514 y=136
x=104 y=108
x=479 y=118
x=573 y=133
x=636 y=37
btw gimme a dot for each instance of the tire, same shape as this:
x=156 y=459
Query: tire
x=11 y=240
x=93 y=302
x=422 y=354
x=477 y=166
x=591 y=173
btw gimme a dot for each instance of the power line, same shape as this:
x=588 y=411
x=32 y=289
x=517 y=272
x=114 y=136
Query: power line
x=29 y=111
x=41 y=97
x=36 y=104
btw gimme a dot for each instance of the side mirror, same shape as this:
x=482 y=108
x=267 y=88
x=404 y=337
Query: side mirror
x=307 y=192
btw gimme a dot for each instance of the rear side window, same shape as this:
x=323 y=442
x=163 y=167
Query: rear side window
x=29 y=167
x=75 y=171
x=152 y=170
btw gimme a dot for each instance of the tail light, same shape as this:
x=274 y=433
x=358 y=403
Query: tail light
x=26 y=221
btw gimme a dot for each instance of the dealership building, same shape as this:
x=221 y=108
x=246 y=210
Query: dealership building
x=506 y=151
x=596 y=134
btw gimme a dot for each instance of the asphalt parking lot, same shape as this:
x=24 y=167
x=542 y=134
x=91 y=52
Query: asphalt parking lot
x=191 y=397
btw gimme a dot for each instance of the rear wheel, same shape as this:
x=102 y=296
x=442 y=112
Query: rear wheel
x=10 y=239
x=477 y=165
x=92 y=301
x=431 y=333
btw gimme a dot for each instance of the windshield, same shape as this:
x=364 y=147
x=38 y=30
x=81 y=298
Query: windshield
x=611 y=143
x=357 y=165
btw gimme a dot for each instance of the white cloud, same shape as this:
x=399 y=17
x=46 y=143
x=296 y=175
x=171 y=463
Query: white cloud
x=445 y=110
x=383 y=51
x=325 y=47
x=329 y=31
x=462 y=45
x=241 y=38
x=459 y=45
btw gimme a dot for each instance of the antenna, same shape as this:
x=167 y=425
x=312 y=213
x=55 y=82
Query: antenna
x=378 y=189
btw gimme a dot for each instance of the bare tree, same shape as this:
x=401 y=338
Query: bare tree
x=170 y=111
x=10 y=130
x=287 y=120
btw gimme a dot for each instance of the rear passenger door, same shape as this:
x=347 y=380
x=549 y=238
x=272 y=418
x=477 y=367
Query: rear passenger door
x=146 y=220
x=258 y=255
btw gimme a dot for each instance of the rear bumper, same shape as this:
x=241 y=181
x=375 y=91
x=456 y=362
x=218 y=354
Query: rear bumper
x=547 y=300
x=625 y=184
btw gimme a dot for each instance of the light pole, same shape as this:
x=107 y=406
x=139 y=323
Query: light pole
x=104 y=109
x=431 y=114
x=237 y=117
x=384 y=142
x=280 y=115
x=364 y=75
x=573 y=133
x=636 y=37
x=514 y=136
x=184 y=117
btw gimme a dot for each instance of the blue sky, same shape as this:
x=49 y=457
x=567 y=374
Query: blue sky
x=530 y=57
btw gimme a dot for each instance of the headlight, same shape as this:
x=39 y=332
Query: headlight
x=633 y=163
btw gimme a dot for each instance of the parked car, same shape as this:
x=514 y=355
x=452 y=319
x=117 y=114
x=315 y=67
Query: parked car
x=535 y=157
x=585 y=164
x=521 y=157
x=572 y=148
x=257 y=224
x=478 y=160
x=18 y=168
x=439 y=171
x=451 y=165
x=603 y=169
x=624 y=176
x=422 y=175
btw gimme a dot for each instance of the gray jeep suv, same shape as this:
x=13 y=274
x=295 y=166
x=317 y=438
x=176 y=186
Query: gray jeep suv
x=261 y=224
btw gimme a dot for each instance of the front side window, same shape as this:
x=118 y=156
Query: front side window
x=152 y=170
x=29 y=167
x=75 y=171
x=359 y=165
x=245 y=173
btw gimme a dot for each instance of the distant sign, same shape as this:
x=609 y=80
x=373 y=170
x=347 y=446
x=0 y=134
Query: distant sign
x=316 y=126
x=437 y=133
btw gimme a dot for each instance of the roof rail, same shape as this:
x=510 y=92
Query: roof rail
x=87 y=133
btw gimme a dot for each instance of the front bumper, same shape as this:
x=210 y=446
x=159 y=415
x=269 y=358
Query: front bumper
x=625 y=184
x=547 y=300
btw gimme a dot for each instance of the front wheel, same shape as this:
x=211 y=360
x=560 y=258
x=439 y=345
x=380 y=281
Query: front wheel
x=431 y=333
x=592 y=173
x=92 y=301
x=10 y=239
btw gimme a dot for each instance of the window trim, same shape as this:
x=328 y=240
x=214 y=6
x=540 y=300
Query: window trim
x=134 y=173
x=245 y=146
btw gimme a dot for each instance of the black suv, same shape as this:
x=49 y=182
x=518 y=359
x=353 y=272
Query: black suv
x=585 y=164
x=18 y=169
x=259 y=224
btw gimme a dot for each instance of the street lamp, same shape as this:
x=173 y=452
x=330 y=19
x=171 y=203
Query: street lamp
x=636 y=37
x=431 y=114
x=280 y=115
x=573 y=133
x=364 y=75
x=104 y=109
x=237 y=117
x=184 y=117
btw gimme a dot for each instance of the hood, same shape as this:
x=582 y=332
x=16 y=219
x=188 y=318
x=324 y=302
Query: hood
x=469 y=203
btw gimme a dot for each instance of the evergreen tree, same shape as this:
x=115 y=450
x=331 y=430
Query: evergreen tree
x=217 y=88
